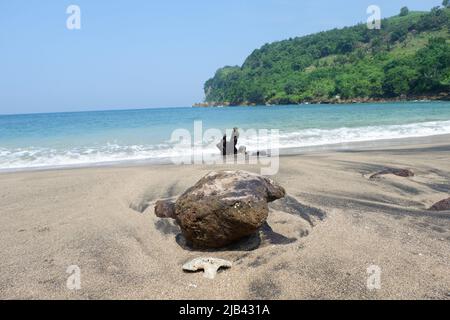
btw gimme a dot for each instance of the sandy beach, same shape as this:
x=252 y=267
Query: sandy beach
x=333 y=225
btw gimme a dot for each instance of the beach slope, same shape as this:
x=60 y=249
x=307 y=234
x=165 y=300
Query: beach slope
x=98 y=220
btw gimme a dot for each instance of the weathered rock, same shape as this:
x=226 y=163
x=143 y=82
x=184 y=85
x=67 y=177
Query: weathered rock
x=209 y=265
x=405 y=173
x=443 y=205
x=223 y=207
x=165 y=209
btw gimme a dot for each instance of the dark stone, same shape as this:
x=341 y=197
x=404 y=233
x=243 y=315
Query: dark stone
x=443 y=205
x=165 y=209
x=405 y=173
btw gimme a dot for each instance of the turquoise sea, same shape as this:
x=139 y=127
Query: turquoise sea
x=88 y=138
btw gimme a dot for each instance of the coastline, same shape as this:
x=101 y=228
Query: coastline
x=144 y=136
x=296 y=151
x=361 y=100
x=57 y=218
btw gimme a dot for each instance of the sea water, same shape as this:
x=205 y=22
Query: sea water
x=99 y=137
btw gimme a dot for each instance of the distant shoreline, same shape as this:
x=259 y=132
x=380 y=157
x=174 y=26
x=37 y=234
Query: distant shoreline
x=435 y=98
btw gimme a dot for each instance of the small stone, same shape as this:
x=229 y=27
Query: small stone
x=208 y=265
x=405 y=173
x=443 y=205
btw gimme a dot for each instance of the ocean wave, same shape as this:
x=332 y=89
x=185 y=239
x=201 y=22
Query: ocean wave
x=35 y=157
x=318 y=137
x=40 y=157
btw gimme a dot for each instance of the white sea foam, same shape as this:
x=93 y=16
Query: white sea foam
x=39 y=157
x=320 y=137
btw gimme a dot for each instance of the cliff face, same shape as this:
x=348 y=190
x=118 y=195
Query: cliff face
x=408 y=58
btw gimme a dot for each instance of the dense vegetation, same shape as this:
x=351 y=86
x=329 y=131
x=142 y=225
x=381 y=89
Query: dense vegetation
x=408 y=57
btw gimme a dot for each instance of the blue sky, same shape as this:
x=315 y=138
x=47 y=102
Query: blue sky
x=143 y=54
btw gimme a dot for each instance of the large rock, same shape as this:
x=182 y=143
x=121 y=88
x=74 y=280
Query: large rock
x=222 y=207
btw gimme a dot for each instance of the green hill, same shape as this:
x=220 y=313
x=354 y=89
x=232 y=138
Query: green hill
x=408 y=57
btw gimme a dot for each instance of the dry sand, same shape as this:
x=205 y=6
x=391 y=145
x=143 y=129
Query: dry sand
x=50 y=220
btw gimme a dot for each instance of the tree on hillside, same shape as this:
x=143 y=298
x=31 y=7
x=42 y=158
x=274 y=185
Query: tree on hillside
x=398 y=80
x=433 y=63
x=405 y=11
x=351 y=62
x=446 y=3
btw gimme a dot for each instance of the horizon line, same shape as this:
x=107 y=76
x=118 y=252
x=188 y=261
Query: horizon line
x=93 y=110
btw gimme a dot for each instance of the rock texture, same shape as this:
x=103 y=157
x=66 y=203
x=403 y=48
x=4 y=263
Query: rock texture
x=209 y=265
x=165 y=209
x=405 y=173
x=222 y=207
x=443 y=205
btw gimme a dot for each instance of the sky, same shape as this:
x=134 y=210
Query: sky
x=147 y=53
